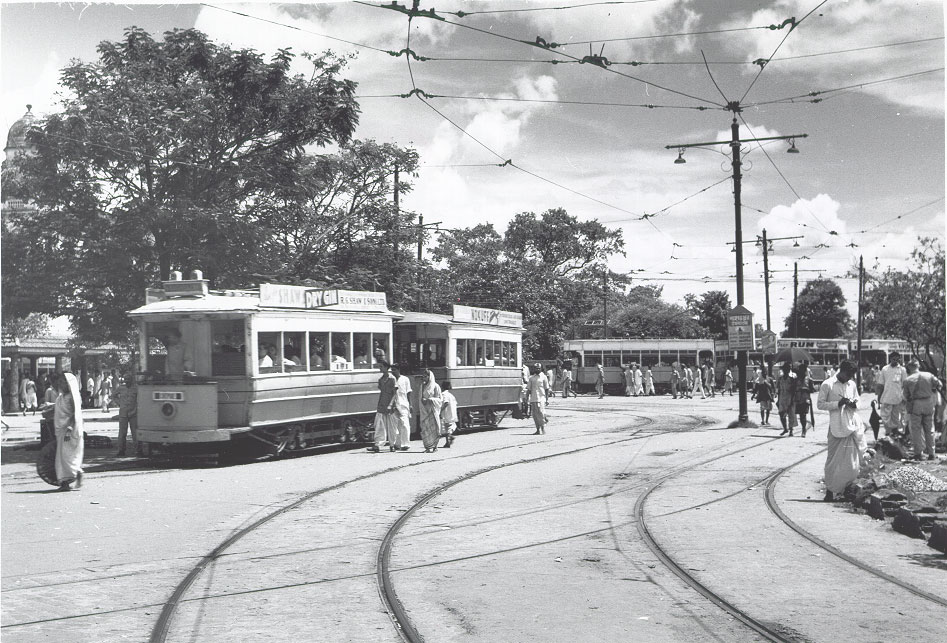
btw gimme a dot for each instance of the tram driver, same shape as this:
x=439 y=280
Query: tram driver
x=179 y=362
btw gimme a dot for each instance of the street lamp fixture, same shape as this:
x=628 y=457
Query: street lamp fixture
x=792 y=147
x=680 y=157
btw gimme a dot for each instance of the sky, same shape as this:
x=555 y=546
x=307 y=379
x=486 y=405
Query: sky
x=860 y=83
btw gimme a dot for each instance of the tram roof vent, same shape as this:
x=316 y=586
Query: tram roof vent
x=196 y=286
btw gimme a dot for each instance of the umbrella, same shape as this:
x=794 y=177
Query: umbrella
x=794 y=354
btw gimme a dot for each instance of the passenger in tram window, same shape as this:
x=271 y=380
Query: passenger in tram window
x=179 y=360
x=265 y=360
x=361 y=361
x=291 y=359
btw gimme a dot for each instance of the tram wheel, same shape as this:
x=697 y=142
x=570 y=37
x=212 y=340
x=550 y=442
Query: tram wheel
x=491 y=417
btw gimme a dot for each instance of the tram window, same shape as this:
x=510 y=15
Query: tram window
x=593 y=359
x=631 y=357
x=268 y=353
x=341 y=351
x=649 y=358
x=228 y=352
x=688 y=358
x=612 y=359
x=461 y=349
x=480 y=347
x=380 y=352
x=434 y=353
x=318 y=360
x=361 y=343
x=504 y=353
x=293 y=354
x=489 y=353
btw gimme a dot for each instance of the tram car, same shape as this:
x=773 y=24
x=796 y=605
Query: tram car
x=285 y=368
x=478 y=350
x=659 y=354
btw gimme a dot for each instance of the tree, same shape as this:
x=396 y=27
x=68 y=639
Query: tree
x=160 y=157
x=33 y=325
x=909 y=304
x=819 y=311
x=646 y=315
x=547 y=267
x=711 y=311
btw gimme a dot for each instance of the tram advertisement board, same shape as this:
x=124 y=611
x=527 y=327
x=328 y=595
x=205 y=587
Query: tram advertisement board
x=740 y=329
x=286 y=296
x=488 y=316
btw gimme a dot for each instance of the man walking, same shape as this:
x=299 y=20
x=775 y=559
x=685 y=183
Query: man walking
x=888 y=388
x=919 y=390
x=600 y=381
x=648 y=381
x=538 y=391
x=385 y=427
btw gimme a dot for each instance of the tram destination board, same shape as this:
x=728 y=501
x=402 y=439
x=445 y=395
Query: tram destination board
x=740 y=329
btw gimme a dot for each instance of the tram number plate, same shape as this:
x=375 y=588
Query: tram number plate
x=168 y=396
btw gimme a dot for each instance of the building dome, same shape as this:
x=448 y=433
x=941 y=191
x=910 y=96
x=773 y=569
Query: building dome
x=16 y=138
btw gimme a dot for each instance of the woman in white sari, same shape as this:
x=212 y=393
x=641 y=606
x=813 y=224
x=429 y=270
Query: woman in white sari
x=69 y=435
x=431 y=402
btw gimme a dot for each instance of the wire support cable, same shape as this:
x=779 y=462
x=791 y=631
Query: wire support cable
x=540 y=42
x=464 y=14
x=645 y=217
x=513 y=99
x=763 y=62
x=300 y=29
x=819 y=96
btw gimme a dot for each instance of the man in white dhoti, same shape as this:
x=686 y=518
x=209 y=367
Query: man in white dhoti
x=846 y=436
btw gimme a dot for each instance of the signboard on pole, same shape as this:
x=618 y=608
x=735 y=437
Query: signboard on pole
x=740 y=329
x=768 y=341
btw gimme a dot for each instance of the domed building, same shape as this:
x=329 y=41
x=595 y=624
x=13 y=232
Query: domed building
x=17 y=146
x=16 y=137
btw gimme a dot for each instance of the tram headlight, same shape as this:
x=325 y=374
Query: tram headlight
x=168 y=410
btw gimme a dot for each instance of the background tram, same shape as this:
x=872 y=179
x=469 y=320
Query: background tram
x=478 y=350
x=659 y=354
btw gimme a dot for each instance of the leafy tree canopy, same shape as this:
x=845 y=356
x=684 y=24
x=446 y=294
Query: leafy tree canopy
x=909 y=304
x=819 y=312
x=710 y=309
x=161 y=156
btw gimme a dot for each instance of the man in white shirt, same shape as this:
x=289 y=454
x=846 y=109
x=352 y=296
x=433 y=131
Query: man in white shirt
x=891 y=401
x=839 y=396
x=402 y=414
x=538 y=390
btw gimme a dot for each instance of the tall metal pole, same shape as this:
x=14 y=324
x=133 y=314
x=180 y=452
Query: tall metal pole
x=397 y=222
x=420 y=243
x=861 y=296
x=766 y=277
x=795 y=299
x=744 y=415
x=605 y=303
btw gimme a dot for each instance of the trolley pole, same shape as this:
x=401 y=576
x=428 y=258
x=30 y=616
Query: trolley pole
x=795 y=299
x=605 y=303
x=861 y=297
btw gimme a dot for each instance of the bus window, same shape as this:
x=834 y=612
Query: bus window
x=380 y=351
x=361 y=343
x=318 y=360
x=228 y=355
x=269 y=353
x=341 y=344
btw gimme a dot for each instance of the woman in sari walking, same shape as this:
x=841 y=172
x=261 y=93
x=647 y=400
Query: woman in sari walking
x=431 y=402
x=69 y=435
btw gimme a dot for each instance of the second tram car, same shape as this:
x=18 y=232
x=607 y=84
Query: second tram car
x=612 y=354
x=285 y=368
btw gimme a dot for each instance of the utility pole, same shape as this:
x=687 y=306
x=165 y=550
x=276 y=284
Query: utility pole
x=397 y=223
x=605 y=303
x=795 y=299
x=861 y=297
x=767 y=242
x=734 y=143
x=420 y=244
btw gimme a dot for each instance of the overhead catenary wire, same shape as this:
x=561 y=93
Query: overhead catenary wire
x=819 y=96
x=795 y=24
x=515 y=99
x=464 y=14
